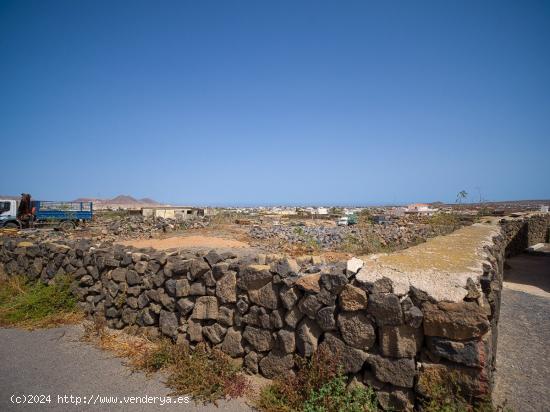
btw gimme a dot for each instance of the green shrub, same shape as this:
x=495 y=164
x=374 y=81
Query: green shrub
x=444 y=219
x=317 y=385
x=334 y=396
x=364 y=242
x=34 y=304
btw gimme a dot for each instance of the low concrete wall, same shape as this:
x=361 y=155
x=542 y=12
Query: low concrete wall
x=396 y=322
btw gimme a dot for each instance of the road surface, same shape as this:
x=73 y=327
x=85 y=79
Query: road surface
x=54 y=362
x=523 y=352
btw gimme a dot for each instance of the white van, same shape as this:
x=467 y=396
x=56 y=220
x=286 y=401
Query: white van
x=343 y=221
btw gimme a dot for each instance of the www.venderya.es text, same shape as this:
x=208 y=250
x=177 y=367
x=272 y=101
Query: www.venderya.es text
x=96 y=399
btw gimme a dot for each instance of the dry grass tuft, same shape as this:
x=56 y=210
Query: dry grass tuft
x=203 y=373
x=134 y=348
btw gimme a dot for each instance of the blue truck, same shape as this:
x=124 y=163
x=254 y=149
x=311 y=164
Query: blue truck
x=62 y=215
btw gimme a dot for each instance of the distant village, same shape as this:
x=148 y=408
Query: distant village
x=379 y=214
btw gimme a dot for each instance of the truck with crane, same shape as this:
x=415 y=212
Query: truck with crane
x=27 y=213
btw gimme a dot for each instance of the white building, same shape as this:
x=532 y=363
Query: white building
x=420 y=209
x=173 y=212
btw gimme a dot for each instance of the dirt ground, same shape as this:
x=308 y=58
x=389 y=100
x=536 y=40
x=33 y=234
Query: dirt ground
x=195 y=241
x=529 y=274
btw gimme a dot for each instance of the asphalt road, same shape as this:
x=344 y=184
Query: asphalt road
x=53 y=362
x=523 y=353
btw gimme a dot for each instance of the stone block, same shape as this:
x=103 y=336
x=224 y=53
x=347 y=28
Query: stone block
x=350 y=359
x=399 y=372
x=454 y=320
x=255 y=276
x=309 y=305
x=260 y=339
x=206 y=307
x=357 y=330
x=386 y=309
x=226 y=287
x=168 y=323
x=352 y=298
x=471 y=382
x=214 y=333
x=232 y=344
x=309 y=283
x=307 y=336
x=286 y=341
x=266 y=296
x=401 y=341
x=473 y=353
x=326 y=319
x=276 y=364
x=290 y=296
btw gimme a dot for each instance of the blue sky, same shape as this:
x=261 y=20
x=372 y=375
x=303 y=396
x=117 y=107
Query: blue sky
x=287 y=102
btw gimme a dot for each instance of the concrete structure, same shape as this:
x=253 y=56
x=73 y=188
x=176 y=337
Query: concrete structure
x=381 y=219
x=173 y=212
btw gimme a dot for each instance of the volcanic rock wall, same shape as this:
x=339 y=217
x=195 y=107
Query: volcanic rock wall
x=525 y=230
x=387 y=328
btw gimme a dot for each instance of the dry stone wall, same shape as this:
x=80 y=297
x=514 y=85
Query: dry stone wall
x=525 y=230
x=269 y=308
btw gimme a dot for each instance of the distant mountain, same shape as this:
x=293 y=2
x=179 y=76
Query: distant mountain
x=123 y=200
x=149 y=201
x=119 y=200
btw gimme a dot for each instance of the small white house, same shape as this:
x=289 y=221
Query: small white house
x=321 y=211
x=173 y=212
x=420 y=209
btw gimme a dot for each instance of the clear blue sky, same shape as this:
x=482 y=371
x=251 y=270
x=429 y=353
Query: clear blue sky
x=291 y=102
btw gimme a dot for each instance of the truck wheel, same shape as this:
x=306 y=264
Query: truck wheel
x=11 y=225
x=66 y=225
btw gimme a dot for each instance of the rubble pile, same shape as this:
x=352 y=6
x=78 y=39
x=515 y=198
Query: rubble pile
x=374 y=237
x=139 y=227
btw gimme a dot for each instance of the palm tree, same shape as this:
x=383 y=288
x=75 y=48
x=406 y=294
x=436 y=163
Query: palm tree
x=462 y=195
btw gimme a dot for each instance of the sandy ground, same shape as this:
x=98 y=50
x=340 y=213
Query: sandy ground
x=528 y=273
x=210 y=242
x=523 y=354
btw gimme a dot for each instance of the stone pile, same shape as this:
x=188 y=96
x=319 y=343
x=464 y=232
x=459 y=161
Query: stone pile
x=268 y=308
x=392 y=236
x=137 y=226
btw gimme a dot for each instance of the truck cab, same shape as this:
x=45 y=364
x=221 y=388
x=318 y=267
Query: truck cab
x=8 y=213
